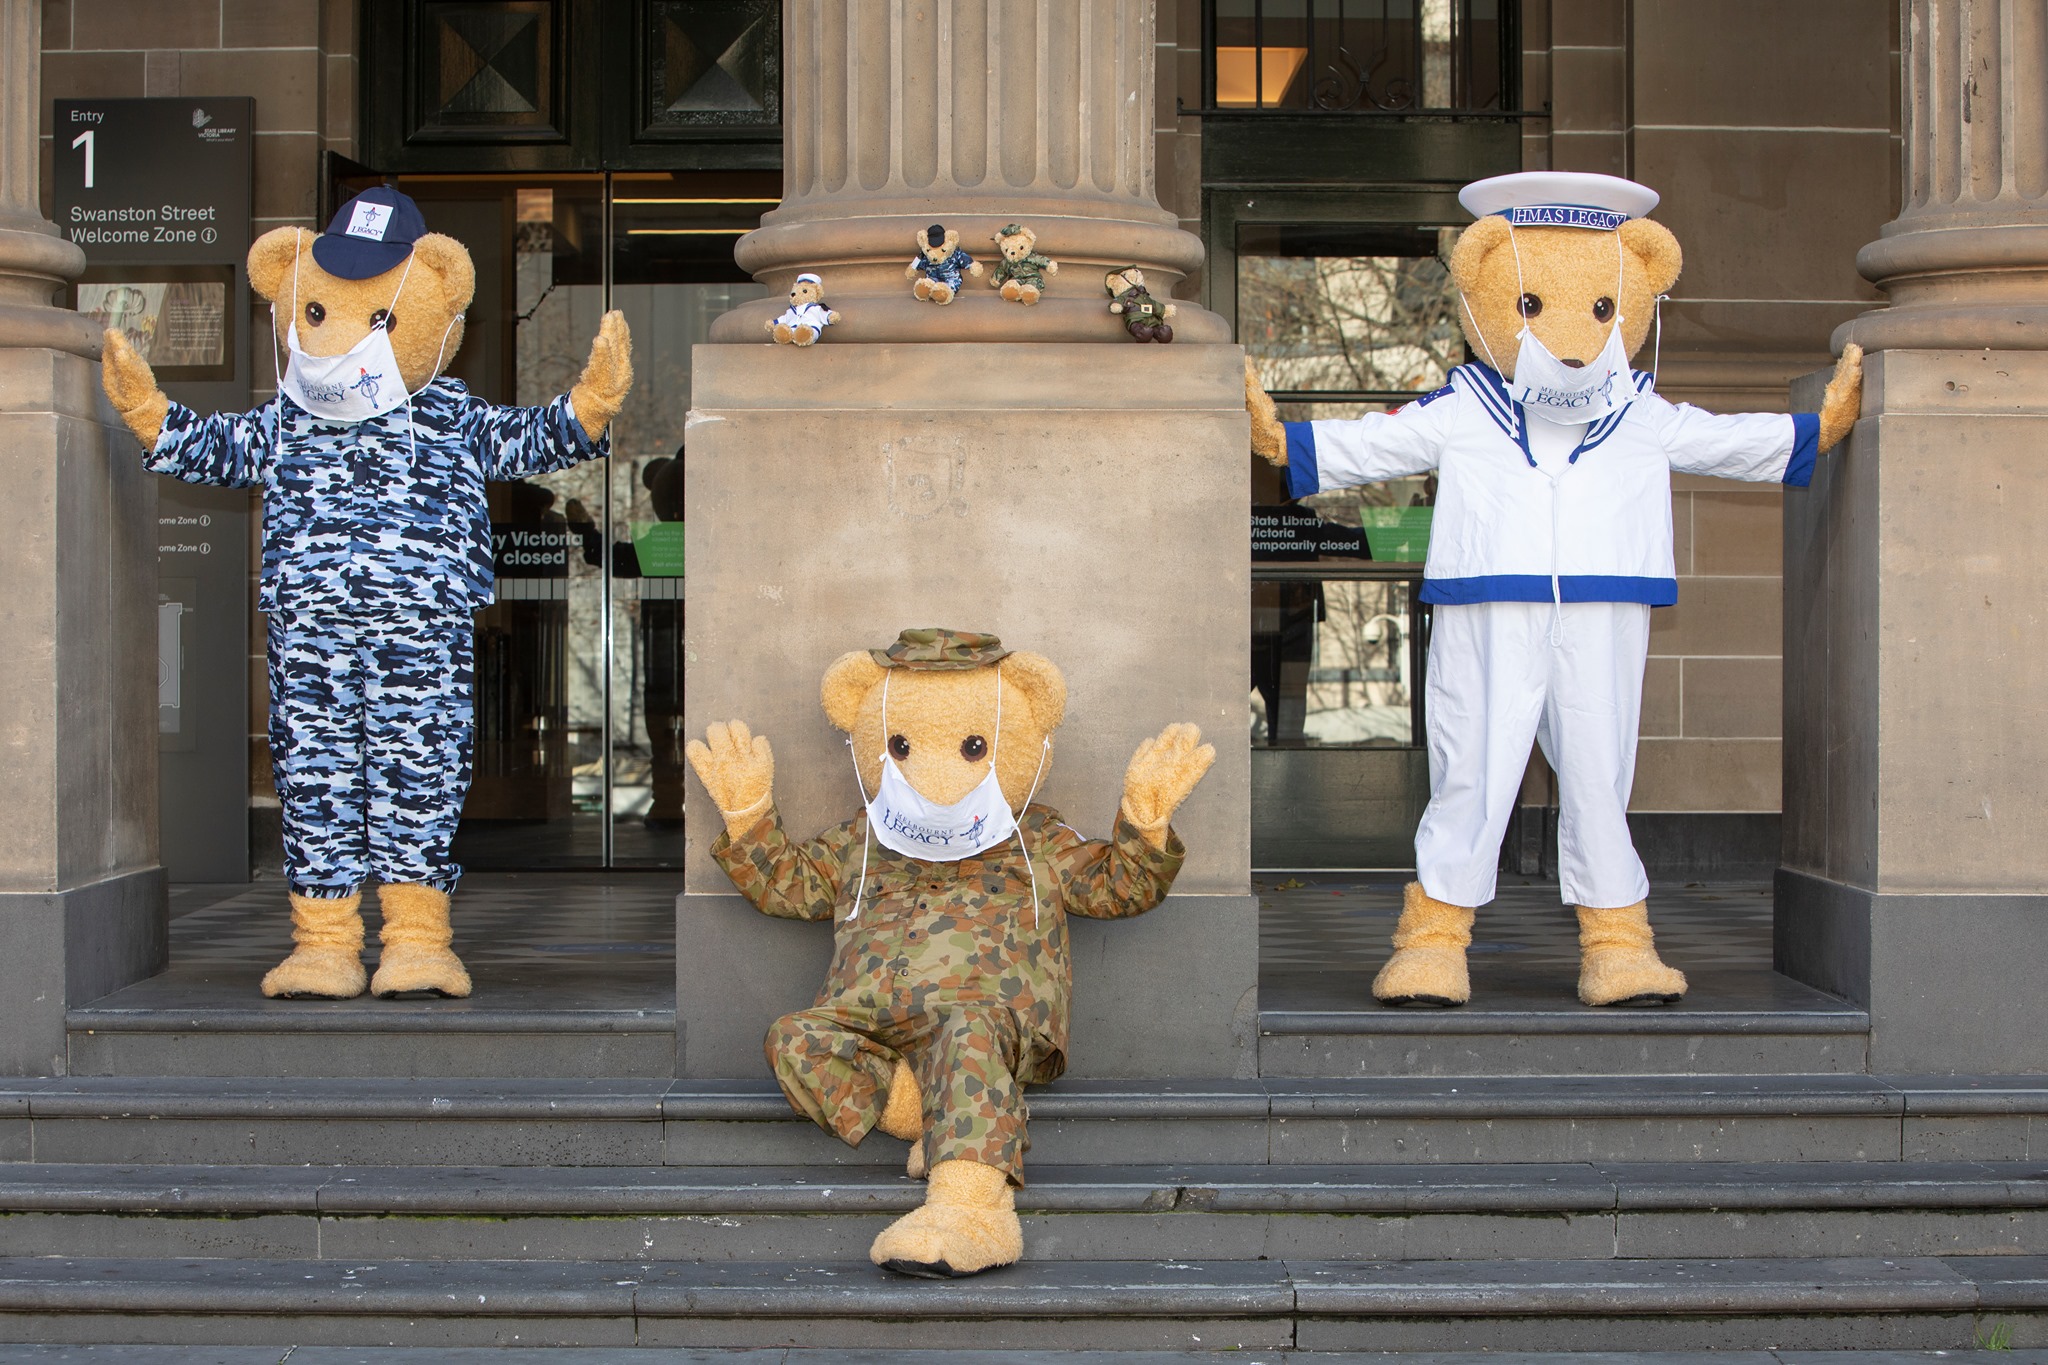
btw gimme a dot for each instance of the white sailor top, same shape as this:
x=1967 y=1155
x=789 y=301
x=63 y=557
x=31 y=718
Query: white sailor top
x=1504 y=530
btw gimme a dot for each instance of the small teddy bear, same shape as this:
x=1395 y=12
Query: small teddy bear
x=1145 y=317
x=939 y=265
x=807 y=317
x=1022 y=272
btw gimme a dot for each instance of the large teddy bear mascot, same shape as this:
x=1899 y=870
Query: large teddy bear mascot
x=949 y=897
x=376 y=550
x=1551 y=542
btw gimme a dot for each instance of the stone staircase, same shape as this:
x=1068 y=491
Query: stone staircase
x=1528 y=1177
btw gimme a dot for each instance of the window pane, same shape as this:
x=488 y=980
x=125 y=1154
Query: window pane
x=1379 y=317
x=1331 y=663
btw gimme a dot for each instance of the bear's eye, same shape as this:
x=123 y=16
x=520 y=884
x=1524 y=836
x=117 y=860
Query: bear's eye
x=973 y=748
x=315 y=314
x=1603 y=309
x=899 y=747
x=384 y=318
x=1529 y=305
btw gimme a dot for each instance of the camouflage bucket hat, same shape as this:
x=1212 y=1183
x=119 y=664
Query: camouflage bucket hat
x=935 y=647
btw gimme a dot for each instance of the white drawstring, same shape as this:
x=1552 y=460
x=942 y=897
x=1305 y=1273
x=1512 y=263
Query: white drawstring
x=1657 y=356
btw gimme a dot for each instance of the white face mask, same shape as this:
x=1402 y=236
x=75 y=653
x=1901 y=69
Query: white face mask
x=908 y=823
x=362 y=382
x=1547 y=387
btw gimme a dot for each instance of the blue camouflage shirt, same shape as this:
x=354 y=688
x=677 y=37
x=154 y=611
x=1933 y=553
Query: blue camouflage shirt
x=367 y=515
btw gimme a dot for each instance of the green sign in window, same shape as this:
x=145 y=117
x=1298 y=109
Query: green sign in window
x=1396 y=533
x=659 y=545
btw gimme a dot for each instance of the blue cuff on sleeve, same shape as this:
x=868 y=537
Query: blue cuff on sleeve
x=1805 y=449
x=1301 y=460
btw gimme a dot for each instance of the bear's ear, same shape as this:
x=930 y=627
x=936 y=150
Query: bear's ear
x=271 y=259
x=847 y=684
x=1653 y=245
x=1042 y=682
x=1475 y=244
x=952 y=240
x=449 y=260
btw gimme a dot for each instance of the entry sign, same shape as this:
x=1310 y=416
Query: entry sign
x=154 y=180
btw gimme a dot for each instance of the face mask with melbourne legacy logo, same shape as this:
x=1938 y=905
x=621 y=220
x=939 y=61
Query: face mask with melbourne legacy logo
x=906 y=822
x=362 y=382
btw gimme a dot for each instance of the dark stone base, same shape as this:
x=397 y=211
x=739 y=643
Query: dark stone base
x=1677 y=846
x=1171 y=993
x=95 y=939
x=1952 y=982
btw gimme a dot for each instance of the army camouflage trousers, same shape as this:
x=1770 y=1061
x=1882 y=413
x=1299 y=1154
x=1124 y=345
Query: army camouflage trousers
x=371 y=718
x=835 y=1061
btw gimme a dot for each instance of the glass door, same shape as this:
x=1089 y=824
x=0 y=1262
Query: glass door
x=579 y=658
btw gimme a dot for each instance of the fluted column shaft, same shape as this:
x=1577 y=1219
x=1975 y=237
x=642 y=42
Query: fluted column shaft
x=973 y=114
x=1965 y=264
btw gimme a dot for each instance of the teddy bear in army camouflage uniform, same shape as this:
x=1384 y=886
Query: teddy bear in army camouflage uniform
x=949 y=896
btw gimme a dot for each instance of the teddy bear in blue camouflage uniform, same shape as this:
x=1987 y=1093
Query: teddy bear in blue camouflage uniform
x=376 y=554
x=940 y=265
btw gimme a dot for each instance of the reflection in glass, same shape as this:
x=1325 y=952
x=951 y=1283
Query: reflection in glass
x=1332 y=663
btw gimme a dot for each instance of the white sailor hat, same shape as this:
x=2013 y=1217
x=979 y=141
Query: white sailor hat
x=808 y=278
x=1559 y=199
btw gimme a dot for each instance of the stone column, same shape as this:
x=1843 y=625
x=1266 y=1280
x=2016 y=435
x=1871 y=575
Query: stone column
x=1916 y=622
x=82 y=909
x=970 y=113
x=1085 y=497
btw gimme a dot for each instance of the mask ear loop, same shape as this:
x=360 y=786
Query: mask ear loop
x=1657 y=354
x=867 y=829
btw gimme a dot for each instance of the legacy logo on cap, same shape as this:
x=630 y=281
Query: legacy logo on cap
x=370 y=234
x=369 y=220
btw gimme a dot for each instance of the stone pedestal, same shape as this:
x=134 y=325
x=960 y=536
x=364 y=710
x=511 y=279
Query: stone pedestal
x=1086 y=502
x=1916 y=587
x=82 y=900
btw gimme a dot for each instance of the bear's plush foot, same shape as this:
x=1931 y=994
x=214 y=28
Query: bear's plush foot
x=967 y=1224
x=1028 y=295
x=806 y=335
x=327 y=959
x=1012 y=290
x=785 y=335
x=1618 y=962
x=416 y=936
x=1428 y=965
x=942 y=293
x=922 y=289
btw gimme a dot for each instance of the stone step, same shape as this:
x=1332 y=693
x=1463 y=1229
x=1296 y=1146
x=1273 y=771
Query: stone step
x=624 y=1122
x=371 y=1038
x=638 y=1355
x=1184 y=1305
x=1812 y=1035
x=1247 y=1212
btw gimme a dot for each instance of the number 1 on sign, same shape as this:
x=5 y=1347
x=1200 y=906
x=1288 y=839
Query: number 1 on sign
x=85 y=140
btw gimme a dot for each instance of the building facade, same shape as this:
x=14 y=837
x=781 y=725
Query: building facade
x=608 y=153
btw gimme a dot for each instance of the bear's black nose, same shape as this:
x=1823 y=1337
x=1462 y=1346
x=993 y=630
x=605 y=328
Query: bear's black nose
x=1576 y=364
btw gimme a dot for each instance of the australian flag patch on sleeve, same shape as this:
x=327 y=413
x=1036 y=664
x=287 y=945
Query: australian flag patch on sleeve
x=1429 y=398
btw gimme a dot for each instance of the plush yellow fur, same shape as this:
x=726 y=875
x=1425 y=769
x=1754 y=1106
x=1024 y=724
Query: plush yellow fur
x=426 y=315
x=737 y=768
x=1569 y=270
x=903 y=1113
x=930 y=290
x=416 y=939
x=1428 y=965
x=1015 y=246
x=1618 y=962
x=967 y=1224
x=327 y=957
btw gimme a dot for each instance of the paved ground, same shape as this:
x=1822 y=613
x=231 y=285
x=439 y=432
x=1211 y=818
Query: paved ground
x=607 y=941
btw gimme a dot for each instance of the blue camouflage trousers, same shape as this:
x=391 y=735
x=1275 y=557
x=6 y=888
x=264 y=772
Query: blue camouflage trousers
x=371 y=722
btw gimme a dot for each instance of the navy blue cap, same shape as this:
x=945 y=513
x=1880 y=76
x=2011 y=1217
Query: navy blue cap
x=373 y=233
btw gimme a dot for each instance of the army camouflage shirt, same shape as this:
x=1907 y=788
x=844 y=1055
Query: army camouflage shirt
x=961 y=930
x=1029 y=269
x=383 y=514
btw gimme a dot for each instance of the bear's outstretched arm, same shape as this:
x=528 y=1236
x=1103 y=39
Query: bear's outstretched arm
x=1112 y=878
x=225 y=450
x=787 y=879
x=1346 y=452
x=1161 y=775
x=1755 y=447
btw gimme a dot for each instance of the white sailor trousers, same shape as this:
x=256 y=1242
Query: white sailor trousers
x=1570 y=678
